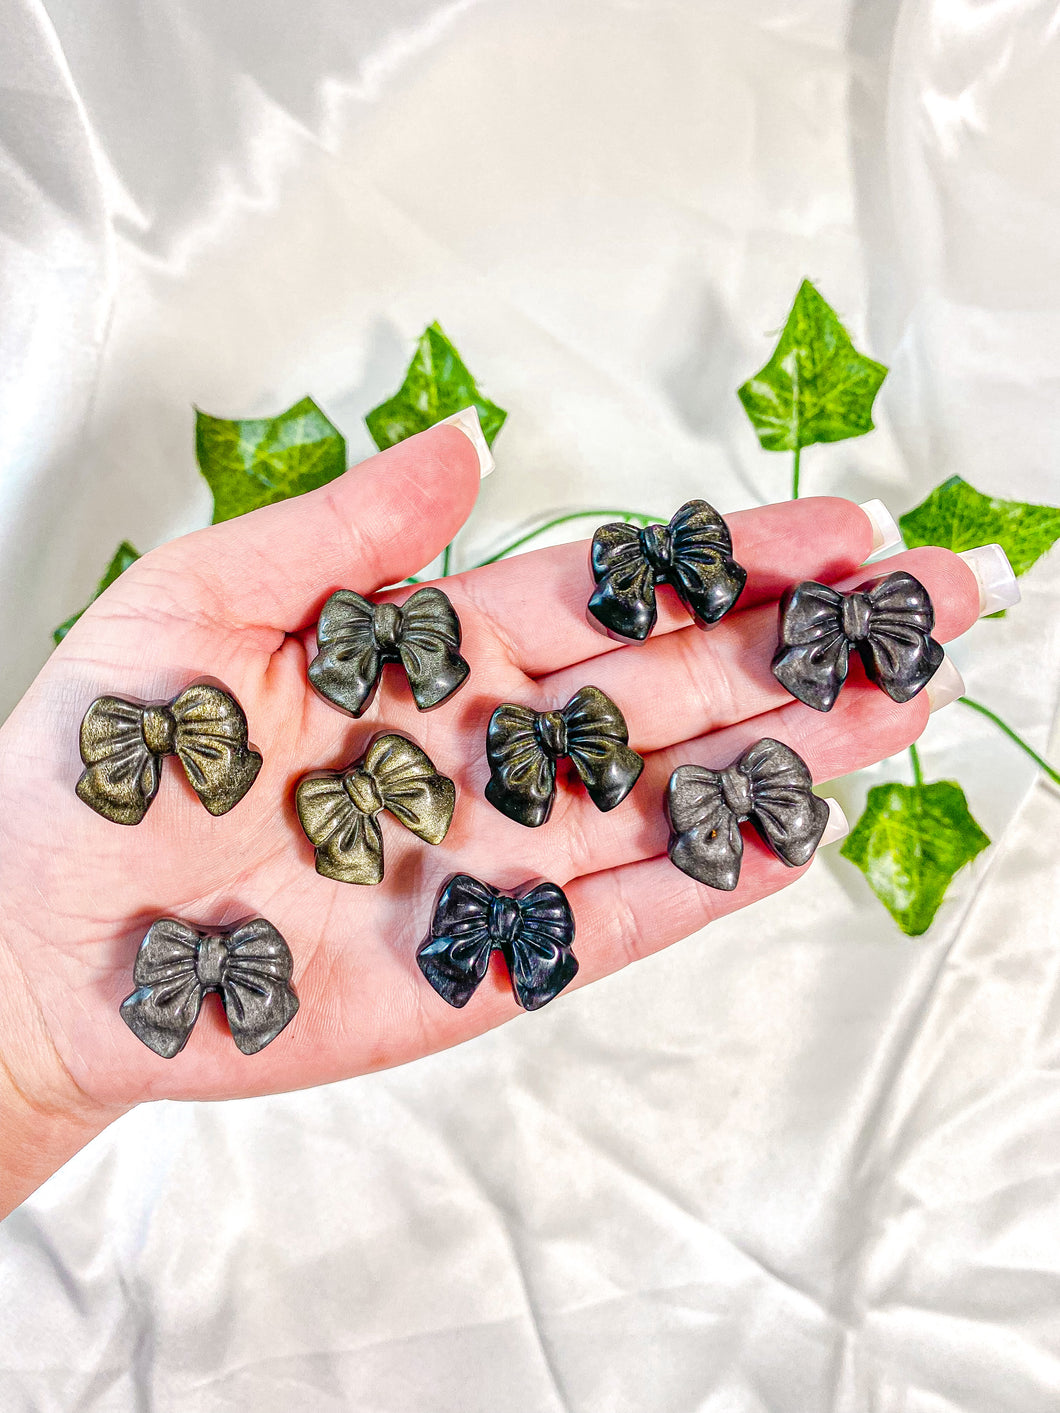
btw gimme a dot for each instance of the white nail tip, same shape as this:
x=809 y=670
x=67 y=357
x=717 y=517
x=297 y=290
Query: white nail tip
x=838 y=827
x=885 y=531
x=998 y=587
x=945 y=687
x=467 y=420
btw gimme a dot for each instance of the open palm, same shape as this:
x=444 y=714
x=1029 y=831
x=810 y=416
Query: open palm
x=237 y=603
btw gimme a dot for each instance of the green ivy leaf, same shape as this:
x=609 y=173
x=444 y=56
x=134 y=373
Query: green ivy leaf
x=437 y=384
x=124 y=555
x=257 y=462
x=909 y=843
x=958 y=517
x=816 y=387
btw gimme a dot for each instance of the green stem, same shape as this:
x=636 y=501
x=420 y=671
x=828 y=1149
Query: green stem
x=447 y=559
x=563 y=520
x=795 y=473
x=1054 y=775
x=918 y=774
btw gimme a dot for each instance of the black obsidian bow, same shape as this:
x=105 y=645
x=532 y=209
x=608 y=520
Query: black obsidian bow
x=124 y=743
x=534 y=930
x=693 y=554
x=523 y=746
x=768 y=784
x=250 y=965
x=888 y=620
x=355 y=638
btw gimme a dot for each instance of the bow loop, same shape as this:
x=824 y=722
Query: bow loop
x=887 y=621
x=123 y=745
x=523 y=746
x=533 y=929
x=250 y=967
x=693 y=554
x=356 y=638
x=338 y=808
x=769 y=784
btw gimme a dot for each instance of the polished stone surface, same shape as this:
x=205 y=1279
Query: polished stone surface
x=248 y=965
x=770 y=785
x=532 y=927
x=887 y=621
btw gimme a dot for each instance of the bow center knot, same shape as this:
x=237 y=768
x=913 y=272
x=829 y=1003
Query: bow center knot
x=504 y=919
x=551 y=730
x=857 y=611
x=386 y=626
x=363 y=791
x=159 y=728
x=210 y=962
x=657 y=543
x=736 y=788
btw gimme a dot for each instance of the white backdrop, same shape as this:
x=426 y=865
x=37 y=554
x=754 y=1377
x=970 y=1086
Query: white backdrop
x=799 y=1163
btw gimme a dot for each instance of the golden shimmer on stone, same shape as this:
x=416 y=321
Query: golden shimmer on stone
x=338 y=809
x=123 y=744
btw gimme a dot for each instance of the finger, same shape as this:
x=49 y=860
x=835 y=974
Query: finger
x=689 y=682
x=540 y=598
x=628 y=913
x=864 y=727
x=380 y=522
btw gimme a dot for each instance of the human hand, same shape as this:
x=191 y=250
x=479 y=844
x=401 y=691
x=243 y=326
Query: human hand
x=237 y=602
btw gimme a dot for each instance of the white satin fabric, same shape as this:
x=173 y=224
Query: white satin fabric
x=800 y=1163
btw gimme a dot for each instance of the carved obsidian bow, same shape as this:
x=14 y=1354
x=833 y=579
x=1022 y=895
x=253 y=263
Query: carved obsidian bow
x=124 y=743
x=768 y=784
x=523 y=746
x=534 y=930
x=356 y=638
x=887 y=620
x=693 y=553
x=338 y=808
x=177 y=964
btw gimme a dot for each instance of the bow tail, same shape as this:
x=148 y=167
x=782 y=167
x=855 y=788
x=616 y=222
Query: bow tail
x=540 y=968
x=162 y=1015
x=353 y=854
x=258 y=1004
x=456 y=964
x=901 y=659
x=710 y=852
x=814 y=672
x=608 y=769
x=791 y=821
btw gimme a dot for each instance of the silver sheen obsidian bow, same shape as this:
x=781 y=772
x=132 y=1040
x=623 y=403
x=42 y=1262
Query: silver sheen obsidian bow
x=693 y=553
x=887 y=620
x=249 y=965
x=124 y=743
x=523 y=746
x=534 y=931
x=768 y=784
x=356 y=637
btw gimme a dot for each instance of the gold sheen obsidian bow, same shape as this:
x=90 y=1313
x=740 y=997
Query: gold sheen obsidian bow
x=693 y=554
x=356 y=638
x=523 y=746
x=768 y=784
x=124 y=743
x=338 y=808
x=177 y=964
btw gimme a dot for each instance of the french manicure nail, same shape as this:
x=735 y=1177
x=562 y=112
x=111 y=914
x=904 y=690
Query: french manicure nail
x=998 y=588
x=837 y=827
x=885 y=531
x=945 y=686
x=467 y=420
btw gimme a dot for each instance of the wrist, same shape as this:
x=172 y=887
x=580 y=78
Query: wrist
x=45 y=1116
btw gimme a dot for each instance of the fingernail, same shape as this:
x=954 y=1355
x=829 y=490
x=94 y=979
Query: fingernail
x=885 y=531
x=945 y=687
x=467 y=420
x=837 y=826
x=998 y=588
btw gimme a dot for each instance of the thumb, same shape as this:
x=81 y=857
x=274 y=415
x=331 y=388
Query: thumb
x=378 y=523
